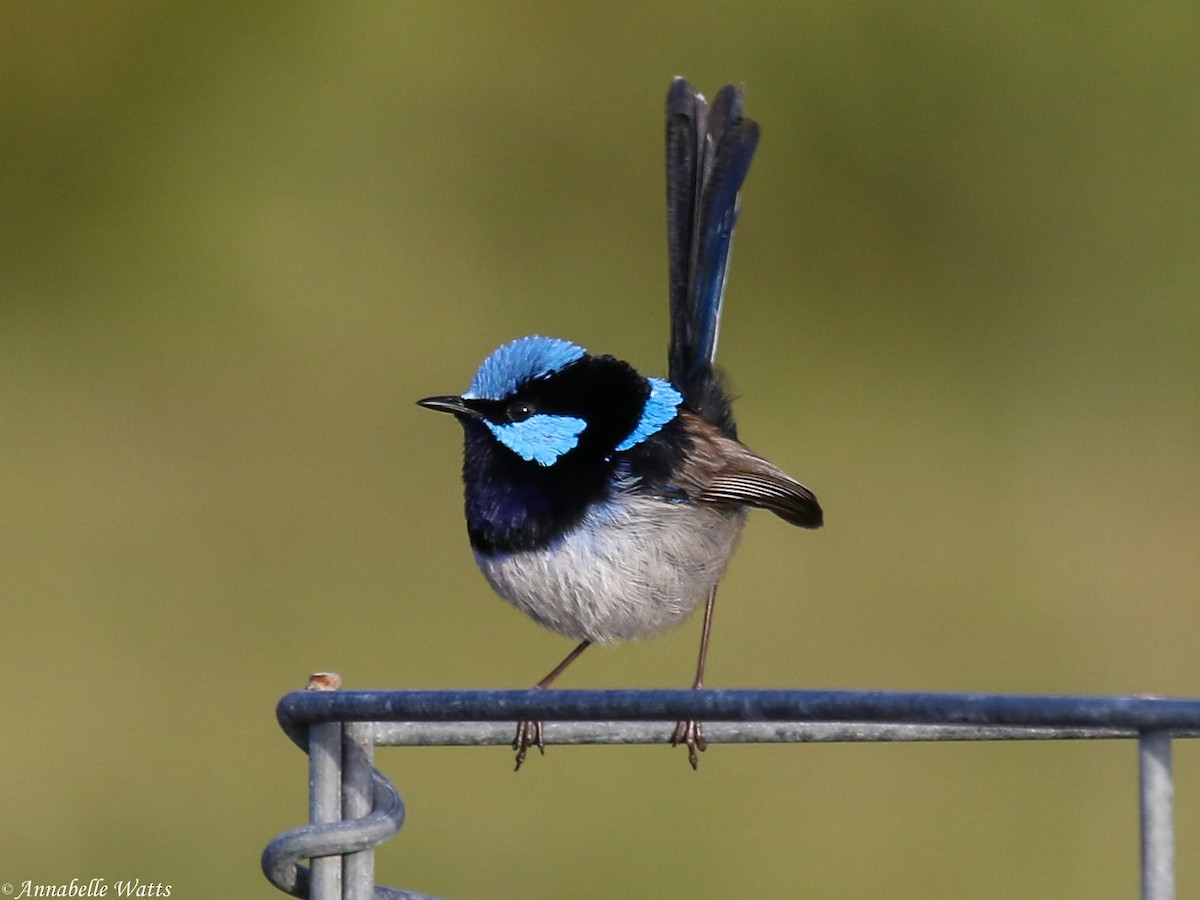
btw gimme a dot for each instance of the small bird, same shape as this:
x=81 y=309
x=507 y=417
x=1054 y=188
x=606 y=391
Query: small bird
x=605 y=504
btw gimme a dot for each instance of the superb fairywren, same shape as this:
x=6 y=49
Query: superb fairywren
x=605 y=504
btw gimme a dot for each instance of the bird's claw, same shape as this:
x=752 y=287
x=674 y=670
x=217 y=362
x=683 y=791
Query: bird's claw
x=690 y=733
x=529 y=734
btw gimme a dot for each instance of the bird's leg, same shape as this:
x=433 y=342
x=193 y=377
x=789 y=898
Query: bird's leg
x=529 y=733
x=691 y=732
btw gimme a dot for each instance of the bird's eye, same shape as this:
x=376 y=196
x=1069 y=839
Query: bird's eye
x=519 y=411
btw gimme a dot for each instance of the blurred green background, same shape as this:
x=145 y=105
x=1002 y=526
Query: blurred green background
x=238 y=240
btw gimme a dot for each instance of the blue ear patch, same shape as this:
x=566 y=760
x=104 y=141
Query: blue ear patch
x=516 y=362
x=661 y=407
x=542 y=438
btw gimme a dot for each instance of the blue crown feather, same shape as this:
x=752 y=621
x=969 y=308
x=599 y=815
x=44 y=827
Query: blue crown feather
x=516 y=362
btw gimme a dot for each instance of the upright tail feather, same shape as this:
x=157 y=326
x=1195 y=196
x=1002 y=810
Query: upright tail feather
x=708 y=156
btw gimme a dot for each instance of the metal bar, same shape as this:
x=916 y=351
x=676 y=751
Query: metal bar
x=1179 y=717
x=1157 y=818
x=358 y=756
x=470 y=734
x=325 y=801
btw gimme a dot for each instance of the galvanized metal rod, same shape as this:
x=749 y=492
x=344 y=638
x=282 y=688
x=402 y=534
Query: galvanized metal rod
x=472 y=734
x=1180 y=717
x=358 y=755
x=1157 y=791
x=325 y=803
x=281 y=858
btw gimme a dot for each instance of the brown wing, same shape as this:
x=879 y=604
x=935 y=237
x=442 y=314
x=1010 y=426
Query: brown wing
x=788 y=499
x=725 y=471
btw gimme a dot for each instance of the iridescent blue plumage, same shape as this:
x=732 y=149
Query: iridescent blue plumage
x=605 y=504
x=542 y=438
x=518 y=361
x=661 y=407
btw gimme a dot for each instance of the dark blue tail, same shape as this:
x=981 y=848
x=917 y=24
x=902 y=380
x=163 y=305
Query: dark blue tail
x=708 y=155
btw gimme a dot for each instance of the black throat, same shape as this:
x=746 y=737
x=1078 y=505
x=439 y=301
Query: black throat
x=513 y=505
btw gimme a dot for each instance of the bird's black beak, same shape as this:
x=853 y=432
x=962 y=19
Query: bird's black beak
x=449 y=404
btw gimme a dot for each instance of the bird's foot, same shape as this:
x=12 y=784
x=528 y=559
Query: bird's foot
x=529 y=734
x=690 y=733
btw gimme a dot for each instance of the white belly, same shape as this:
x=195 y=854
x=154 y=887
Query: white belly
x=634 y=567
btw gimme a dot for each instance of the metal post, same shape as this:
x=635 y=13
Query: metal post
x=325 y=802
x=1157 y=820
x=358 y=757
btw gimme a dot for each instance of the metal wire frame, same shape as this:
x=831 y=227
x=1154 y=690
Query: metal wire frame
x=353 y=808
